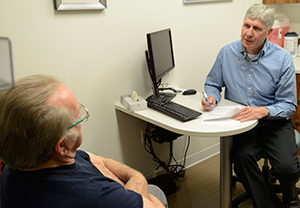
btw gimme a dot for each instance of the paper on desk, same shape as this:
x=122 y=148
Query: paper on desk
x=221 y=113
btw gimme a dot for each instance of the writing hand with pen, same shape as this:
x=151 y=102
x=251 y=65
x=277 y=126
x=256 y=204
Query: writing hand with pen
x=208 y=102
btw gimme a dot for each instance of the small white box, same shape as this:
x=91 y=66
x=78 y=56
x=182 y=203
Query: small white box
x=133 y=105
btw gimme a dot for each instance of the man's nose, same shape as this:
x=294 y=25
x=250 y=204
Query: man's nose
x=250 y=32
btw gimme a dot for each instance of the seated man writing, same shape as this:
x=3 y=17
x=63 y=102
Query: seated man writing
x=40 y=131
x=260 y=75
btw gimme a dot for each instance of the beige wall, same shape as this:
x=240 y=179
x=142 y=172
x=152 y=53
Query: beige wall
x=292 y=12
x=100 y=56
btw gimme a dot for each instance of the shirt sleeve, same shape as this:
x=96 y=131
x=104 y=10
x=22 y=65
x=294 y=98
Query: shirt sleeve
x=286 y=94
x=108 y=193
x=105 y=192
x=214 y=81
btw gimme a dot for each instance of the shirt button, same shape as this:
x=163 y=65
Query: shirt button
x=249 y=75
x=249 y=88
x=250 y=101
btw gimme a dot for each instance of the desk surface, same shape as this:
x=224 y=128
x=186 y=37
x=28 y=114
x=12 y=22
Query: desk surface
x=297 y=64
x=194 y=127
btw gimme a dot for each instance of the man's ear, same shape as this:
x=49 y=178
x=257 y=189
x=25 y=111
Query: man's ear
x=270 y=31
x=62 y=147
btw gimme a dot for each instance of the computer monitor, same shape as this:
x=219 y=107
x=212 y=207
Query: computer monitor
x=160 y=58
x=6 y=65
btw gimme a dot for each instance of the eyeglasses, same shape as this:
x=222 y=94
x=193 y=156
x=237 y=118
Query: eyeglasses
x=250 y=62
x=84 y=115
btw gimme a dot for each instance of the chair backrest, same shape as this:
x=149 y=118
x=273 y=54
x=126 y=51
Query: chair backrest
x=1 y=167
x=297 y=138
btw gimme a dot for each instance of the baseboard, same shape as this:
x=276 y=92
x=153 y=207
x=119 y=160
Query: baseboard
x=197 y=157
x=201 y=155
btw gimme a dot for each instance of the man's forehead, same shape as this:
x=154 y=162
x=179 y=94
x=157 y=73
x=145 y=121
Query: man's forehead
x=63 y=96
x=255 y=22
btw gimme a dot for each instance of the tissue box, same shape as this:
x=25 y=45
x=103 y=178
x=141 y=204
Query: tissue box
x=133 y=105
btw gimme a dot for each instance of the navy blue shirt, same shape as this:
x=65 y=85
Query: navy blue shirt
x=78 y=185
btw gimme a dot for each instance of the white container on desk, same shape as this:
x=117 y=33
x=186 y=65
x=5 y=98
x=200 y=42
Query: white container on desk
x=291 y=43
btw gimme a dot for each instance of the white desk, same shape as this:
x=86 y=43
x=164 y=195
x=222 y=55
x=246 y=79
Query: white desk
x=297 y=64
x=197 y=128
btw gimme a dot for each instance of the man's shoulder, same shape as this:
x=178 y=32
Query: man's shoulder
x=277 y=52
x=273 y=48
x=230 y=49
x=236 y=43
x=82 y=154
x=233 y=46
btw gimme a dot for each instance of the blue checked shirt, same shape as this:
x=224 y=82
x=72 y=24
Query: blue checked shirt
x=266 y=80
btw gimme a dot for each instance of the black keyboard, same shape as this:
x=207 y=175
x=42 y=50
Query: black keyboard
x=172 y=109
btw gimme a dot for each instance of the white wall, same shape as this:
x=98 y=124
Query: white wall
x=100 y=56
x=292 y=12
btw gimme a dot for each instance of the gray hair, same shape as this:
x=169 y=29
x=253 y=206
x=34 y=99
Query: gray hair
x=262 y=12
x=29 y=125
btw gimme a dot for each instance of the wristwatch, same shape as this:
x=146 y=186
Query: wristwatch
x=268 y=111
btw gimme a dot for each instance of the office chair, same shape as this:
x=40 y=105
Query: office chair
x=6 y=73
x=275 y=188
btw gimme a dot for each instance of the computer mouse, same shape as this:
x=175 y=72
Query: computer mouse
x=189 y=92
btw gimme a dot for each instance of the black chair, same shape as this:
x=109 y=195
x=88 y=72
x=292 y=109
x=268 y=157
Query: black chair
x=1 y=168
x=269 y=179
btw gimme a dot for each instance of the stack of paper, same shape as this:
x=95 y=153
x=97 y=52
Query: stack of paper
x=221 y=113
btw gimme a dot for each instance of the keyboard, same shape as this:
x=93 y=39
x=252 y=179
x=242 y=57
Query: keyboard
x=172 y=109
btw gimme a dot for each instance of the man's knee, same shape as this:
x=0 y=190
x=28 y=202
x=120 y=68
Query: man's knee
x=286 y=171
x=242 y=162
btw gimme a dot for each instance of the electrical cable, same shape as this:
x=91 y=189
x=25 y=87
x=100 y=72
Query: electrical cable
x=148 y=134
x=163 y=87
x=187 y=147
x=176 y=170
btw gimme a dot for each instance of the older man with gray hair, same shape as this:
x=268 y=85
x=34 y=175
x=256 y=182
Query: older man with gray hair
x=260 y=75
x=40 y=133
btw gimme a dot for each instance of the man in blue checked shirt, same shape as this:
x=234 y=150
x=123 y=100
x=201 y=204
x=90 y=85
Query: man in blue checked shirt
x=260 y=75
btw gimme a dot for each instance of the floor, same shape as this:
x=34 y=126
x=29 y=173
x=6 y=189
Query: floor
x=201 y=188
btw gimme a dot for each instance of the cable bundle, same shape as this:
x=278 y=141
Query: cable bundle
x=160 y=135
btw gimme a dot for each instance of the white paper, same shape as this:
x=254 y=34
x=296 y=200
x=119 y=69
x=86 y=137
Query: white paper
x=221 y=113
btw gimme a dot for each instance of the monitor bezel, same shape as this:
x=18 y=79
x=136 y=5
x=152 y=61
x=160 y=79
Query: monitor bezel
x=6 y=72
x=151 y=56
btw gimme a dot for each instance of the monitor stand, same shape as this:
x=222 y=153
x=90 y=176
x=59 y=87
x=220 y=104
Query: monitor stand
x=166 y=96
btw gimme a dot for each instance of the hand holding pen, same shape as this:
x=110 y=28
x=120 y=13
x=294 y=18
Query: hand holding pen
x=208 y=103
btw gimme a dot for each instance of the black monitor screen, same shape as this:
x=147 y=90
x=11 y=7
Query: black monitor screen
x=160 y=52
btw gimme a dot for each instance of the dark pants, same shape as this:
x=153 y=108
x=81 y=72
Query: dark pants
x=277 y=139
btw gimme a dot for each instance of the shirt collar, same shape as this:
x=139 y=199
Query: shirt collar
x=262 y=52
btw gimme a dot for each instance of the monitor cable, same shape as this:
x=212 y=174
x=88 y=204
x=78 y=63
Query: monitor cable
x=163 y=87
x=175 y=170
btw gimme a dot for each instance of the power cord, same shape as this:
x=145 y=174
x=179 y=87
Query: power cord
x=170 y=88
x=176 y=170
x=163 y=87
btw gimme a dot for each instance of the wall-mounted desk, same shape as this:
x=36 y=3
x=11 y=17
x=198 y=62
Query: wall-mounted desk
x=197 y=128
x=297 y=64
x=296 y=116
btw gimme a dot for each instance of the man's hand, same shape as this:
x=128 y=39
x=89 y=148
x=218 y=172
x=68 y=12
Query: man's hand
x=211 y=101
x=251 y=113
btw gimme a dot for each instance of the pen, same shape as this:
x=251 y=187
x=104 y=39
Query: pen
x=206 y=98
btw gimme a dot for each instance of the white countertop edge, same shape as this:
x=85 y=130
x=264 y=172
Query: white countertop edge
x=297 y=64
